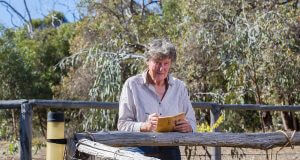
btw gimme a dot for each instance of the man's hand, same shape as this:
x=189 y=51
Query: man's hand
x=151 y=124
x=183 y=126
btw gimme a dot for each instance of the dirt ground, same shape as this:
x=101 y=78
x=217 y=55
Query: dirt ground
x=247 y=154
x=9 y=151
x=197 y=153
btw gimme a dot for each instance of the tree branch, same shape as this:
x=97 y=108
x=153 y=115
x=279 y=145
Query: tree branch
x=12 y=8
x=29 y=23
x=11 y=17
x=27 y=11
x=285 y=2
x=151 y=2
x=30 y=28
x=132 y=11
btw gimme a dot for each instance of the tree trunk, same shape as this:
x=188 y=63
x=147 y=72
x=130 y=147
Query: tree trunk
x=14 y=121
x=295 y=121
x=290 y=121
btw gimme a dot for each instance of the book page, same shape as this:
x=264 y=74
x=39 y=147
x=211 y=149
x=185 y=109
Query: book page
x=167 y=124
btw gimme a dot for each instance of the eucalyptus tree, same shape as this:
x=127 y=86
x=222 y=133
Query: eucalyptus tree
x=228 y=52
x=106 y=51
x=27 y=65
x=15 y=81
x=231 y=48
x=225 y=51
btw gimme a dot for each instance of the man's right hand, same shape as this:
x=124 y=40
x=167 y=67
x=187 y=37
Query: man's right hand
x=151 y=123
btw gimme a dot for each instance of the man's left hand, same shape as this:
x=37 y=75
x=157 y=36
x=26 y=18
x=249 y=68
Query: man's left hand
x=183 y=126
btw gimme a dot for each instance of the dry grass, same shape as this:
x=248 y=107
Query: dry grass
x=7 y=153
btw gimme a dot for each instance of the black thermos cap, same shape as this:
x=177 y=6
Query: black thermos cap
x=55 y=117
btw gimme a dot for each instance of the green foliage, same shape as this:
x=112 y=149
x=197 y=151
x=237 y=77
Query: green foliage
x=230 y=49
x=41 y=53
x=27 y=66
x=108 y=68
x=52 y=20
x=205 y=127
x=4 y=123
x=228 y=52
x=13 y=148
x=15 y=74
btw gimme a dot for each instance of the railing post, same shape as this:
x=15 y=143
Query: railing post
x=214 y=115
x=26 y=131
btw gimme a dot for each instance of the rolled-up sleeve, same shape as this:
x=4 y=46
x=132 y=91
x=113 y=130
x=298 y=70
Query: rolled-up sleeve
x=189 y=111
x=127 y=111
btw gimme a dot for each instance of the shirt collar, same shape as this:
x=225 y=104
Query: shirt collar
x=170 y=79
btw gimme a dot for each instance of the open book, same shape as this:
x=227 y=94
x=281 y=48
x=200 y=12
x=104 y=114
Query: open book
x=167 y=124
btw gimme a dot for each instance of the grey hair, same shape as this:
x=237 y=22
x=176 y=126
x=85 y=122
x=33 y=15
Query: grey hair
x=160 y=49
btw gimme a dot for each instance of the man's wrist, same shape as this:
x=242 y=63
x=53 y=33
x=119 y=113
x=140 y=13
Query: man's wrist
x=144 y=127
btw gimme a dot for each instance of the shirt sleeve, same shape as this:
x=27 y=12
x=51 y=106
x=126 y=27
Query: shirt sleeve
x=189 y=111
x=127 y=111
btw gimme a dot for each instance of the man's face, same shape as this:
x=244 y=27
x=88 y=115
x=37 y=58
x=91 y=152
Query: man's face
x=159 y=69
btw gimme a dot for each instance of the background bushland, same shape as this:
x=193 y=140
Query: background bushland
x=229 y=51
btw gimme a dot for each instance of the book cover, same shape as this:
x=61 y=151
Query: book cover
x=167 y=124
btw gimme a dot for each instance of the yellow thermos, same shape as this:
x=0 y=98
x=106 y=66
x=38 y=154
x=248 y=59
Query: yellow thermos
x=55 y=136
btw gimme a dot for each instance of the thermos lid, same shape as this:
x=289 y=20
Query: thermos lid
x=55 y=117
